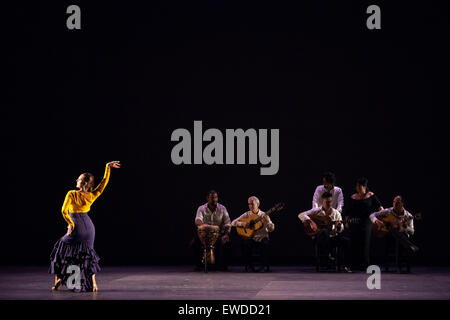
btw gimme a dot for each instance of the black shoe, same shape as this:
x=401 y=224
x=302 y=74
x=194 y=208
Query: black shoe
x=250 y=268
x=265 y=269
x=347 y=270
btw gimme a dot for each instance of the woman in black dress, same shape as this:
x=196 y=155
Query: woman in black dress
x=357 y=222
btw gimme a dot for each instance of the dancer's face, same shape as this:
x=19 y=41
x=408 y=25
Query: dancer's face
x=80 y=181
x=361 y=189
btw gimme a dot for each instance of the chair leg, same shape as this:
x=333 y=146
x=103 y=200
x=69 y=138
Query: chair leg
x=316 y=251
x=259 y=255
x=408 y=266
x=338 y=260
x=397 y=257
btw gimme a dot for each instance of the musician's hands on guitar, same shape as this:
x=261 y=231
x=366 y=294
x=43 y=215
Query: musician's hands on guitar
x=379 y=224
x=225 y=238
x=245 y=224
x=311 y=224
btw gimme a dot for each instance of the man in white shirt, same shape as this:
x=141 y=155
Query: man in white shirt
x=328 y=238
x=215 y=214
x=329 y=181
x=405 y=227
x=260 y=239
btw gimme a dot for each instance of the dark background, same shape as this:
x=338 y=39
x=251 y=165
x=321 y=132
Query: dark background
x=345 y=98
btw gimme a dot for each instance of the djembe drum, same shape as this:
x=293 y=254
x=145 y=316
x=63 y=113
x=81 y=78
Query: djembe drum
x=208 y=236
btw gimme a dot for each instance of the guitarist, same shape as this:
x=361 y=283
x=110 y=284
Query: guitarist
x=260 y=238
x=328 y=238
x=405 y=227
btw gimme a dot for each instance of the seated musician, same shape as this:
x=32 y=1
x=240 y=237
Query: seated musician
x=260 y=239
x=405 y=224
x=328 y=238
x=214 y=214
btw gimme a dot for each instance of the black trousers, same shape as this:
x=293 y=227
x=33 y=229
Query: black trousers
x=221 y=252
x=403 y=239
x=325 y=243
x=404 y=243
x=249 y=246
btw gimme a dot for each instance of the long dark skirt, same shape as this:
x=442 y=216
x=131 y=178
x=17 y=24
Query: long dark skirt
x=76 y=249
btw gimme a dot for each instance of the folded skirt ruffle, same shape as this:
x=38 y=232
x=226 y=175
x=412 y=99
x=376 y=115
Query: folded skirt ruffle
x=81 y=254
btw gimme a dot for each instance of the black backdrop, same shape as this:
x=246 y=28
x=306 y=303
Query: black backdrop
x=345 y=98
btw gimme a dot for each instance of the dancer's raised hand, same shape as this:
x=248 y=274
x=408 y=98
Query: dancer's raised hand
x=114 y=164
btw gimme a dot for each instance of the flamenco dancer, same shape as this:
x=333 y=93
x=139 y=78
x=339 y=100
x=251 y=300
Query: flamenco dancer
x=76 y=248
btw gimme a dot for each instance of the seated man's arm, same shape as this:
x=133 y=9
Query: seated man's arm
x=199 y=217
x=237 y=223
x=304 y=216
x=340 y=201
x=270 y=226
x=379 y=214
x=339 y=224
x=226 y=221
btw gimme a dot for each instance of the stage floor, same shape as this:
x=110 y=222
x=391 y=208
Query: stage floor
x=181 y=283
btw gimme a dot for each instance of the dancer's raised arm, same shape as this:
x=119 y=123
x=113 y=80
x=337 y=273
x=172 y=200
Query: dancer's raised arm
x=101 y=186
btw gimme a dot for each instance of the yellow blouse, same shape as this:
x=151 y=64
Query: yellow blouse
x=77 y=201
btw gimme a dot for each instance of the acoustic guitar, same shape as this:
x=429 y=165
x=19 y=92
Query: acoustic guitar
x=322 y=222
x=392 y=222
x=256 y=222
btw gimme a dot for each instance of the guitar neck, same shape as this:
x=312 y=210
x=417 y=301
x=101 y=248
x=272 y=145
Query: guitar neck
x=267 y=213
